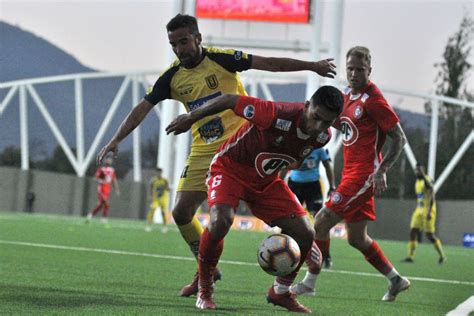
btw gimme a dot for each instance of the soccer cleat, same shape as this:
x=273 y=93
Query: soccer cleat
x=300 y=289
x=287 y=300
x=408 y=259
x=441 y=260
x=204 y=298
x=400 y=284
x=327 y=263
x=148 y=229
x=164 y=230
x=192 y=288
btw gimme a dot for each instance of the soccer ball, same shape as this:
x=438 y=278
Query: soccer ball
x=279 y=254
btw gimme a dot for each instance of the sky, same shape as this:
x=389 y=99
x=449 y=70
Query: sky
x=406 y=37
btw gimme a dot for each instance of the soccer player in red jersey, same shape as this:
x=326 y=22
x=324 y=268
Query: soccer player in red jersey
x=105 y=176
x=246 y=167
x=365 y=122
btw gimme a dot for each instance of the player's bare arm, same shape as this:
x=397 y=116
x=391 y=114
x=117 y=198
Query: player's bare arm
x=398 y=141
x=330 y=174
x=324 y=68
x=183 y=122
x=133 y=119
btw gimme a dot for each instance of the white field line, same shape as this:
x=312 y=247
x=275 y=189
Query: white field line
x=140 y=254
x=464 y=308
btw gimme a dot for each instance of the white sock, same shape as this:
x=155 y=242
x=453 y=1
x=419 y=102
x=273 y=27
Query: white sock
x=393 y=273
x=280 y=288
x=89 y=216
x=310 y=279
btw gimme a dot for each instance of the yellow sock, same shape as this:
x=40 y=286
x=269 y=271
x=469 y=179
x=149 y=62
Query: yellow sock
x=191 y=233
x=412 y=248
x=149 y=216
x=439 y=249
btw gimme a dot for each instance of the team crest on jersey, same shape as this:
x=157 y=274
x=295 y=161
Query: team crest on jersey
x=284 y=125
x=350 y=133
x=358 y=112
x=306 y=151
x=270 y=163
x=238 y=55
x=336 y=198
x=249 y=111
x=212 y=82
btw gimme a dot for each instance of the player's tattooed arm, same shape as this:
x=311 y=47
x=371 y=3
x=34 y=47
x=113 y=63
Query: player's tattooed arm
x=183 y=122
x=398 y=141
x=324 y=68
x=133 y=119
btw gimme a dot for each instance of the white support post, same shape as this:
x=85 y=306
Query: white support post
x=79 y=105
x=166 y=154
x=54 y=128
x=433 y=139
x=105 y=123
x=336 y=17
x=8 y=97
x=266 y=91
x=137 y=161
x=313 y=81
x=410 y=155
x=454 y=161
x=254 y=88
x=25 y=155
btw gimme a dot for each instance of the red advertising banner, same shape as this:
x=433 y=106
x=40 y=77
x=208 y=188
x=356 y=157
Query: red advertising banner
x=287 y=11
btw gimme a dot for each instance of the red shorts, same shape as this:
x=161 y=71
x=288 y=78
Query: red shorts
x=274 y=202
x=103 y=193
x=353 y=200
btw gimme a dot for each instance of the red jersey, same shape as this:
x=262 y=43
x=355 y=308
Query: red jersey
x=364 y=122
x=270 y=140
x=105 y=175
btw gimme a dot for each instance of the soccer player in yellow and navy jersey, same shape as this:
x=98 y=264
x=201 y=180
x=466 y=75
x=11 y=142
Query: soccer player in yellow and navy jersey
x=200 y=74
x=159 y=198
x=424 y=216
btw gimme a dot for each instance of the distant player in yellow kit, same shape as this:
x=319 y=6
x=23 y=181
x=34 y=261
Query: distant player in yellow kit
x=424 y=216
x=159 y=194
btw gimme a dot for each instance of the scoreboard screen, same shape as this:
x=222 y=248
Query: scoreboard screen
x=287 y=11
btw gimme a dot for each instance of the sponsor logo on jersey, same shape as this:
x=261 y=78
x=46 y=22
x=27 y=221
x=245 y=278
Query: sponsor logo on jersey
x=185 y=90
x=336 y=198
x=199 y=102
x=249 y=111
x=270 y=163
x=323 y=137
x=212 y=82
x=284 y=125
x=238 y=55
x=306 y=151
x=350 y=133
x=213 y=194
x=211 y=130
x=358 y=112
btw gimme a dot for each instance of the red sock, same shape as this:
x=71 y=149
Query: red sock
x=314 y=259
x=288 y=279
x=209 y=253
x=323 y=246
x=374 y=255
x=97 y=208
x=106 y=210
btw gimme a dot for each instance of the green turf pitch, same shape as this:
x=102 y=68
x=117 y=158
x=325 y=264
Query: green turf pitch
x=60 y=265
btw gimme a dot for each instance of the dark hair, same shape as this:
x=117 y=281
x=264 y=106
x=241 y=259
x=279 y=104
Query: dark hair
x=159 y=169
x=329 y=97
x=419 y=165
x=360 y=52
x=183 y=20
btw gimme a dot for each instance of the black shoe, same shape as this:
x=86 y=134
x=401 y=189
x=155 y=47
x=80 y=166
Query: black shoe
x=408 y=259
x=328 y=263
x=441 y=260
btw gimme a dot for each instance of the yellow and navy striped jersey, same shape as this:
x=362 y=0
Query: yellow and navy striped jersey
x=423 y=192
x=158 y=187
x=215 y=75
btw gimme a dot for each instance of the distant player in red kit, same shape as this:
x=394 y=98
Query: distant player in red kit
x=246 y=167
x=365 y=122
x=105 y=176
